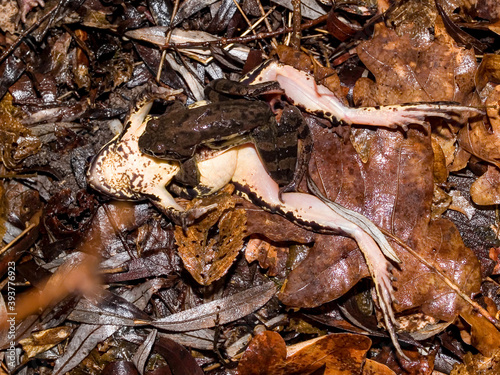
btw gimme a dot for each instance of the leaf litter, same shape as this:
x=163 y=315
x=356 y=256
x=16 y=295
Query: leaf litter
x=97 y=280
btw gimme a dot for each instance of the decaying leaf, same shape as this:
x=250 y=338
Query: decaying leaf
x=41 y=341
x=481 y=140
x=265 y=355
x=16 y=142
x=484 y=336
x=210 y=246
x=269 y=256
x=399 y=200
x=478 y=364
x=220 y=311
x=337 y=353
x=111 y=271
x=485 y=190
x=437 y=71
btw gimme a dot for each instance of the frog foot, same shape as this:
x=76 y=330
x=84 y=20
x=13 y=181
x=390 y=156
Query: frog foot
x=382 y=279
x=394 y=116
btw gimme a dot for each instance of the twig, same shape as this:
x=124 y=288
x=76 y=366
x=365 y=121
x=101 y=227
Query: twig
x=26 y=32
x=168 y=36
x=445 y=278
x=296 y=22
x=274 y=42
x=19 y=236
x=223 y=41
x=117 y=231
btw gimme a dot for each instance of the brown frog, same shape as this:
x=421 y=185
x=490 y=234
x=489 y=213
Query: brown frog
x=232 y=119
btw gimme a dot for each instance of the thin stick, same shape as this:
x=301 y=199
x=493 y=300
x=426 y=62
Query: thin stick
x=168 y=36
x=445 y=278
x=296 y=23
x=223 y=41
x=274 y=42
x=26 y=32
x=19 y=236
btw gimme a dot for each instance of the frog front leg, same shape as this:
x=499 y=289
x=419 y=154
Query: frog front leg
x=120 y=170
x=252 y=181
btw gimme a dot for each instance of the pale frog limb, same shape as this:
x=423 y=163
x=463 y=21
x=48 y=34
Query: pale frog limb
x=252 y=181
x=120 y=170
x=302 y=90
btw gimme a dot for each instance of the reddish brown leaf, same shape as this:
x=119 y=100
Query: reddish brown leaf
x=485 y=336
x=486 y=189
x=375 y=368
x=341 y=353
x=394 y=189
x=208 y=256
x=265 y=355
x=438 y=71
x=479 y=139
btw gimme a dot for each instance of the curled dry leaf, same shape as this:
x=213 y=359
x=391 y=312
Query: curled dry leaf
x=485 y=190
x=484 y=336
x=269 y=256
x=210 y=246
x=481 y=140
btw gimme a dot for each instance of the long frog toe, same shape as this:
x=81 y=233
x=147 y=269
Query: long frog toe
x=290 y=188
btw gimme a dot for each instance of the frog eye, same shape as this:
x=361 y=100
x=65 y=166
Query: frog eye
x=159 y=149
x=153 y=125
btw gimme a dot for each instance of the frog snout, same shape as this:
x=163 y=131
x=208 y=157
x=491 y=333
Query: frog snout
x=150 y=147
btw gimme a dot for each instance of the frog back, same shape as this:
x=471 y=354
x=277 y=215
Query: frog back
x=178 y=134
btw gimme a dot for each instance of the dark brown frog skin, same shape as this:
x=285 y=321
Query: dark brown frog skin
x=283 y=146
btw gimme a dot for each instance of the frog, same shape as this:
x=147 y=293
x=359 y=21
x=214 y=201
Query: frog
x=121 y=170
x=232 y=117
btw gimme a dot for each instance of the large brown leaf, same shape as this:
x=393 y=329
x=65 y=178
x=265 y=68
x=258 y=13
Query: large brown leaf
x=405 y=73
x=342 y=353
x=394 y=189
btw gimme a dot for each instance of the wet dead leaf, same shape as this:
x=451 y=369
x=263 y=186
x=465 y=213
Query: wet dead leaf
x=275 y=227
x=265 y=355
x=394 y=189
x=210 y=246
x=42 y=341
x=485 y=337
x=485 y=190
x=341 y=353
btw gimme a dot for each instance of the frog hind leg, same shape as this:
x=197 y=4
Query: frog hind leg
x=303 y=91
x=253 y=182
